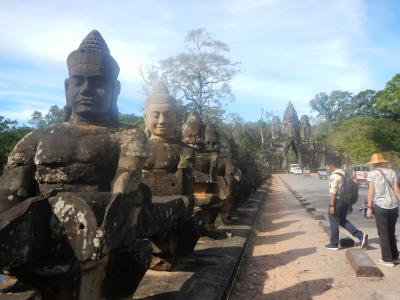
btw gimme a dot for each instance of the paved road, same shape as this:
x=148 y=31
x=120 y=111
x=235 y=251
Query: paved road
x=286 y=258
x=316 y=193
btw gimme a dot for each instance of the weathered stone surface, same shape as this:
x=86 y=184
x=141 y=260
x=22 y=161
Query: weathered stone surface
x=209 y=273
x=295 y=134
x=362 y=264
x=385 y=294
x=168 y=173
x=70 y=195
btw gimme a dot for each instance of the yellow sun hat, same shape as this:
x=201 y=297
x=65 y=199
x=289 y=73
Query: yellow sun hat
x=377 y=158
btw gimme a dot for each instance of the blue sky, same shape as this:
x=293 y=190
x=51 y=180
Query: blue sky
x=289 y=50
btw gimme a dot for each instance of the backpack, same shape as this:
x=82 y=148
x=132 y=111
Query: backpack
x=348 y=191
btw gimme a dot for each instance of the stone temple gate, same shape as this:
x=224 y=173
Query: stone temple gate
x=292 y=134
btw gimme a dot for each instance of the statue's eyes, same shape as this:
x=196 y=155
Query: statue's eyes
x=155 y=114
x=76 y=80
x=98 y=81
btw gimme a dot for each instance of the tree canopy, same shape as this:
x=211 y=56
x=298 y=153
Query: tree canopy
x=10 y=134
x=199 y=76
x=388 y=100
x=55 y=115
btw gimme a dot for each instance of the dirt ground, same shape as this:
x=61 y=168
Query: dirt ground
x=287 y=258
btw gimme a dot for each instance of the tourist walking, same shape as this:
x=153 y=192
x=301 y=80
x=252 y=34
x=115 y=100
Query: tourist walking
x=383 y=202
x=338 y=209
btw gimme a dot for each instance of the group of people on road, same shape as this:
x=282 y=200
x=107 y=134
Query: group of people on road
x=383 y=202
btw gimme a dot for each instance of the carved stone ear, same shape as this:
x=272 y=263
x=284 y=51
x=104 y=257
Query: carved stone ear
x=66 y=84
x=117 y=88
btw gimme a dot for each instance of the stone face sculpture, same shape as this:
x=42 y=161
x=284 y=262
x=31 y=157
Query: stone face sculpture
x=206 y=188
x=168 y=174
x=70 y=195
x=193 y=132
x=225 y=170
x=275 y=129
x=305 y=129
x=290 y=123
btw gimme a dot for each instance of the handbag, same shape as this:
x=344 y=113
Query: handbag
x=364 y=208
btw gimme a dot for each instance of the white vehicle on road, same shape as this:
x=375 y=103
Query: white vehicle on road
x=298 y=171
x=292 y=167
x=360 y=174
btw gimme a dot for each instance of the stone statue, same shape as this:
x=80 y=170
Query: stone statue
x=226 y=169
x=206 y=180
x=276 y=129
x=305 y=129
x=290 y=123
x=193 y=132
x=70 y=195
x=168 y=174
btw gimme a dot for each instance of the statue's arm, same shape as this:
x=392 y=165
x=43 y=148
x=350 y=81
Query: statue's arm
x=187 y=158
x=17 y=181
x=134 y=150
x=213 y=167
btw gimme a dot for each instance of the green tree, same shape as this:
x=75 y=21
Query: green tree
x=361 y=136
x=388 y=102
x=132 y=119
x=333 y=107
x=245 y=134
x=199 y=76
x=55 y=115
x=37 y=120
x=10 y=134
x=363 y=104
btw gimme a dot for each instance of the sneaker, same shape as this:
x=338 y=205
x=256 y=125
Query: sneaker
x=331 y=247
x=396 y=261
x=385 y=263
x=364 y=242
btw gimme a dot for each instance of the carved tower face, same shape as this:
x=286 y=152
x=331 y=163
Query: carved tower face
x=276 y=129
x=211 y=138
x=160 y=113
x=290 y=123
x=193 y=131
x=92 y=88
x=305 y=128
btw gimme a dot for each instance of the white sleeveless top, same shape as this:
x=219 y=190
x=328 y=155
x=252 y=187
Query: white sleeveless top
x=384 y=195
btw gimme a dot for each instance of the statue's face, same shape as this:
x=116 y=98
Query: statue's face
x=90 y=90
x=212 y=143
x=225 y=147
x=160 y=119
x=194 y=137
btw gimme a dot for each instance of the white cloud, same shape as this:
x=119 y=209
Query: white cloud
x=290 y=50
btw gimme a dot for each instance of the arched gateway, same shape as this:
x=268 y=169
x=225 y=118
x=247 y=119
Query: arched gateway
x=292 y=134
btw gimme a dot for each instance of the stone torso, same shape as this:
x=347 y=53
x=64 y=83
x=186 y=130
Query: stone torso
x=167 y=171
x=167 y=156
x=163 y=156
x=78 y=158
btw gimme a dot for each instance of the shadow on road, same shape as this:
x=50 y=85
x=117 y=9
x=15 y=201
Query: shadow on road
x=303 y=290
x=271 y=239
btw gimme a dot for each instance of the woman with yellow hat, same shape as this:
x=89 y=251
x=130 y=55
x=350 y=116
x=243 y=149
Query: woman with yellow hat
x=383 y=202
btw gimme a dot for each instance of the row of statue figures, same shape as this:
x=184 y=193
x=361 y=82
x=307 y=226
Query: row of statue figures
x=87 y=206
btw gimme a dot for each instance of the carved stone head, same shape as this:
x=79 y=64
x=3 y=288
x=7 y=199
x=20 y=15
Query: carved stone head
x=225 y=146
x=160 y=113
x=193 y=131
x=92 y=88
x=211 y=138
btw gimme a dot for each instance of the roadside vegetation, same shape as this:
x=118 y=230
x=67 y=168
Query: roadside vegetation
x=359 y=125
